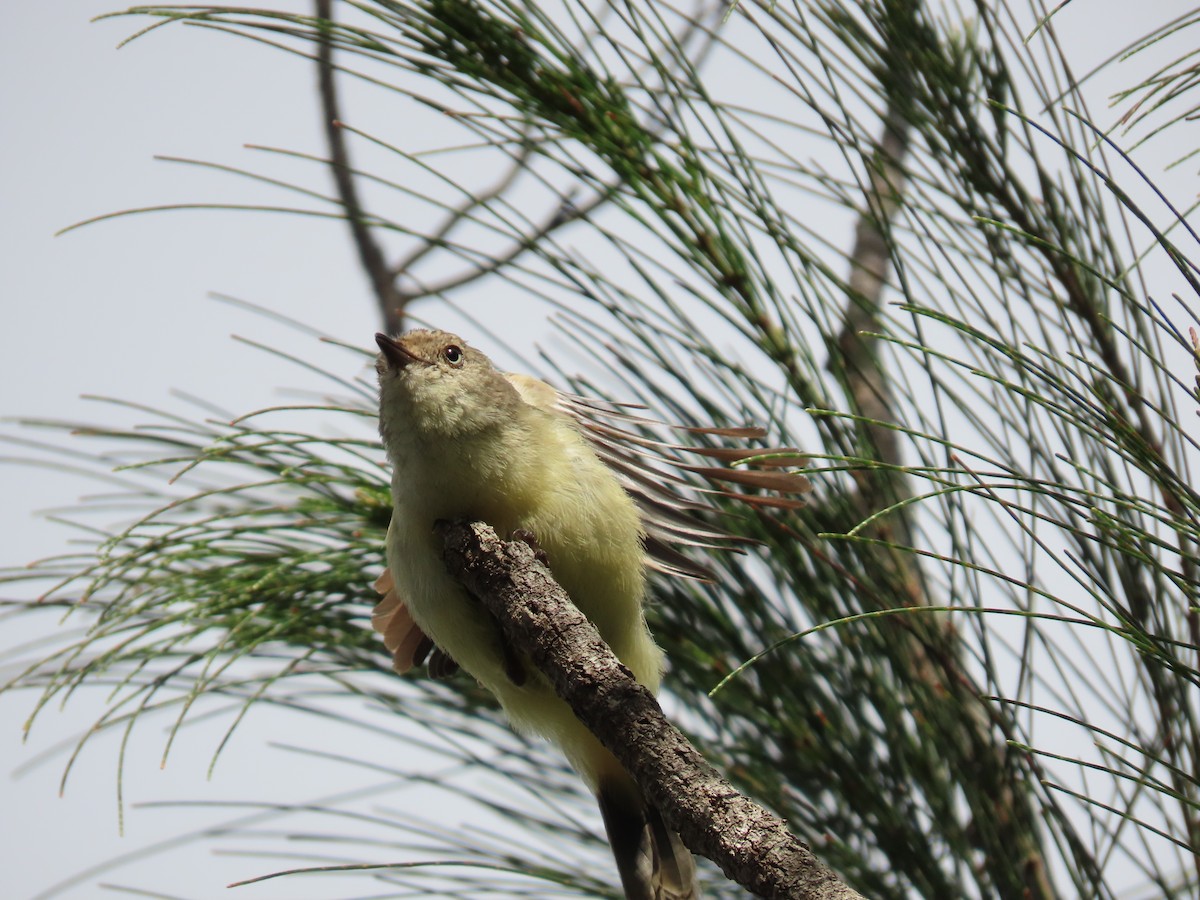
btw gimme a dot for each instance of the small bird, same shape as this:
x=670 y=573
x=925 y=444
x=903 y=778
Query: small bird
x=581 y=476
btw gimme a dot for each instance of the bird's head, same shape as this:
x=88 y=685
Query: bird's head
x=432 y=384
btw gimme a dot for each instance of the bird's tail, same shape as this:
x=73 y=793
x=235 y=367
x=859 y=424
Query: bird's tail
x=652 y=860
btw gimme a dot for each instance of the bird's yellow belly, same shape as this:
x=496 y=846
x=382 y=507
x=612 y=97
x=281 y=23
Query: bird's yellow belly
x=590 y=532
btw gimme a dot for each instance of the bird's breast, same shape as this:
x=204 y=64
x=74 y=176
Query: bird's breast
x=544 y=479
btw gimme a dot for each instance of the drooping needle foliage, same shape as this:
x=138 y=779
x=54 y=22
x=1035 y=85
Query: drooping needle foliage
x=893 y=231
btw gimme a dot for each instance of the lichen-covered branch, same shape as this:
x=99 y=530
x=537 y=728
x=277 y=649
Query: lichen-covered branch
x=751 y=845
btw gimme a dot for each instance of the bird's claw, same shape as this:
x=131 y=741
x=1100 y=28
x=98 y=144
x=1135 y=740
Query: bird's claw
x=530 y=539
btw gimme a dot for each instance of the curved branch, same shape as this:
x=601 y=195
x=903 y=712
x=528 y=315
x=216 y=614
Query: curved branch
x=566 y=212
x=391 y=302
x=750 y=844
x=458 y=214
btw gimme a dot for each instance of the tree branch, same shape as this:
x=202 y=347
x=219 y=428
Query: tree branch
x=751 y=845
x=456 y=215
x=934 y=654
x=566 y=212
x=391 y=303
x=866 y=380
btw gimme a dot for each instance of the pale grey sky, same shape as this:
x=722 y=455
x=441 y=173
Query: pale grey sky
x=120 y=309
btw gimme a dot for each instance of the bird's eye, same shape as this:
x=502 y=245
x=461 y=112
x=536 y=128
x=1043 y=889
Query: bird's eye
x=453 y=355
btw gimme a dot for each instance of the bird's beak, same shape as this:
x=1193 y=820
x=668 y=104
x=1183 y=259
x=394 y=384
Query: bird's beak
x=397 y=356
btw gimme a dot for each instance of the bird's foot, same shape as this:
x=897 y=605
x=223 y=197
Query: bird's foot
x=529 y=538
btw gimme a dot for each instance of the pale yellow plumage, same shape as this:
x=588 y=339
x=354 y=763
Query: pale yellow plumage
x=468 y=442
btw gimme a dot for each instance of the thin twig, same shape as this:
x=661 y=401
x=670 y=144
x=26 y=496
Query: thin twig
x=458 y=214
x=567 y=212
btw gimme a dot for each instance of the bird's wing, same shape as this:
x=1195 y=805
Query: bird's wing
x=391 y=618
x=674 y=511
x=403 y=637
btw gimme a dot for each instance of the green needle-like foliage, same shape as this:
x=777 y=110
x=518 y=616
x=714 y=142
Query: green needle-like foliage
x=969 y=667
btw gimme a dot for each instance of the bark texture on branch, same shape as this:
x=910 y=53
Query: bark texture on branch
x=751 y=845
